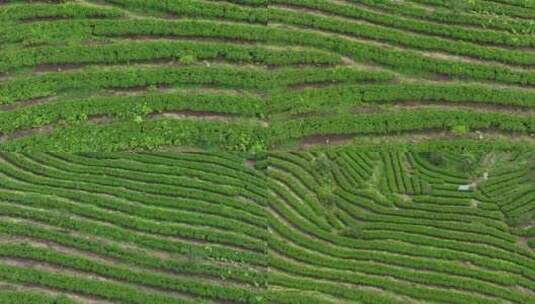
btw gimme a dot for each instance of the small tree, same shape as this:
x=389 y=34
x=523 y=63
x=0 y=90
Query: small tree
x=326 y=196
x=468 y=164
x=138 y=119
x=323 y=166
x=434 y=158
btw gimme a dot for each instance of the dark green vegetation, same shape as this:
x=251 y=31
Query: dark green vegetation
x=393 y=227
x=452 y=221
x=253 y=75
x=315 y=227
x=131 y=228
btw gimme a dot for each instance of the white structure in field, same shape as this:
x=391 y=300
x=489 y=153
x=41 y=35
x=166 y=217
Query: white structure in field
x=464 y=187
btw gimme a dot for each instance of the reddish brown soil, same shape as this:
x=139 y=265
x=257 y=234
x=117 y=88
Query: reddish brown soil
x=26 y=132
x=24 y=103
x=42 y=68
x=326 y=139
x=193 y=114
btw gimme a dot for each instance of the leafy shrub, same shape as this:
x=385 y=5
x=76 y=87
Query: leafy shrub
x=352 y=232
x=459 y=129
x=468 y=163
x=187 y=59
x=461 y=5
x=521 y=220
x=435 y=158
x=326 y=196
x=323 y=166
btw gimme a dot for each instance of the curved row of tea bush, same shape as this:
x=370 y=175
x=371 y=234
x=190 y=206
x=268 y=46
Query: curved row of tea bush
x=191 y=237
x=410 y=249
x=265 y=75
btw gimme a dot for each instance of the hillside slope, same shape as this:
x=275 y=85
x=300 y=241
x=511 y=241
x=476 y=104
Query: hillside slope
x=252 y=75
x=336 y=227
x=352 y=227
x=136 y=228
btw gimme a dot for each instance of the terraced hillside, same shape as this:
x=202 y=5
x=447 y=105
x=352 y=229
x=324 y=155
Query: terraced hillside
x=316 y=227
x=393 y=227
x=118 y=75
x=131 y=228
x=252 y=75
x=454 y=67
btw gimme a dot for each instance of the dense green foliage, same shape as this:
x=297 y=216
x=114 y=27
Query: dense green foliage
x=131 y=228
x=424 y=195
x=396 y=225
x=293 y=69
x=191 y=227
